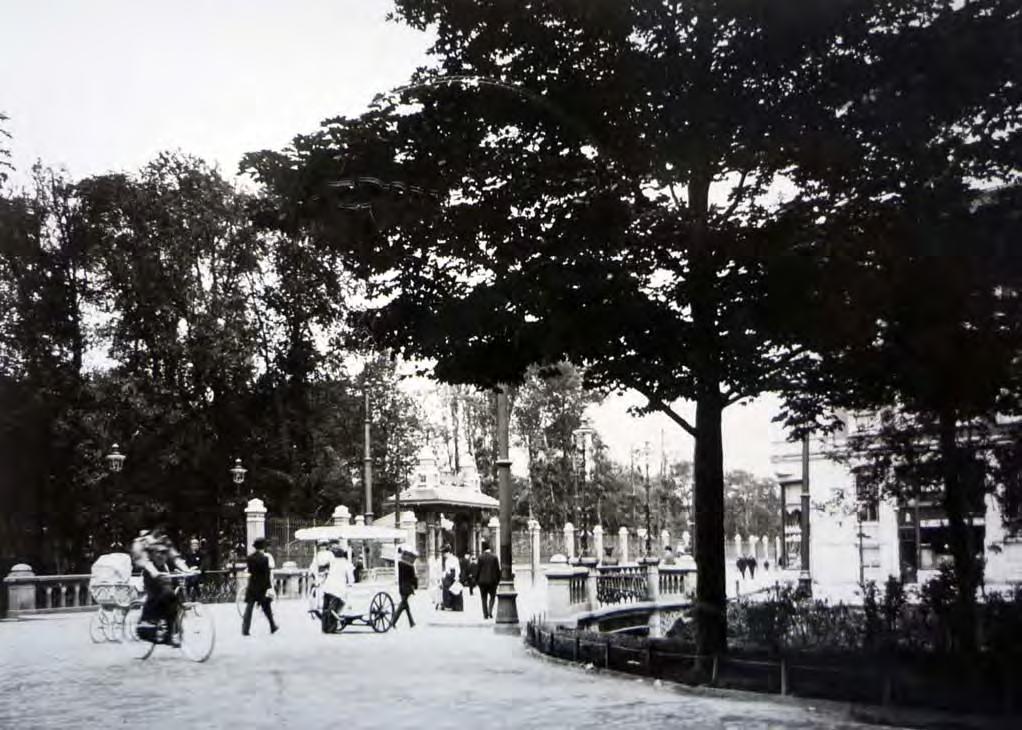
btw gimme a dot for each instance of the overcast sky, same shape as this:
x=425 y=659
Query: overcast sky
x=102 y=85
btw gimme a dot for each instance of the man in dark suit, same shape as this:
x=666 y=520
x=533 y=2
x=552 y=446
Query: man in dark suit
x=487 y=577
x=259 y=585
x=407 y=582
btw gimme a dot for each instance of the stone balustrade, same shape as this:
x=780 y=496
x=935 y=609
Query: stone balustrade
x=28 y=593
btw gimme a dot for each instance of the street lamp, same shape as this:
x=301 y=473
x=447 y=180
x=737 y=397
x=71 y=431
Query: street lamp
x=115 y=462
x=238 y=474
x=115 y=459
x=581 y=436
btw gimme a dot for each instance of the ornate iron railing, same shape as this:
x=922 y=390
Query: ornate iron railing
x=621 y=584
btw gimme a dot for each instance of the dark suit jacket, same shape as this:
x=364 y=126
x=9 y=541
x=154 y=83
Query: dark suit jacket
x=407 y=582
x=258 y=576
x=488 y=570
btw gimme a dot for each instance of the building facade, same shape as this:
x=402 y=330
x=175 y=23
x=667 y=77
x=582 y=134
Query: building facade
x=856 y=535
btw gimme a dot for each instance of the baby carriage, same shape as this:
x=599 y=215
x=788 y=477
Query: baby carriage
x=117 y=593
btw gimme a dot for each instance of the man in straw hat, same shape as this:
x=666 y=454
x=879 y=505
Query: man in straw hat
x=407 y=582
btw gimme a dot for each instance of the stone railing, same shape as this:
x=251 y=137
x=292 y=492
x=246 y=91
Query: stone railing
x=28 y=593
x=581 y=594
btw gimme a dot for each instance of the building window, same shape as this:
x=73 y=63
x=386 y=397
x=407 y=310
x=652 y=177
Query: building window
x=867 y=495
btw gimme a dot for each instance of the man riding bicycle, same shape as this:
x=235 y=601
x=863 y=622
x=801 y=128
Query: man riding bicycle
x=157 y=558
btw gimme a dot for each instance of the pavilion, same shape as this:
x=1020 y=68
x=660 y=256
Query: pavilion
x=450 y=507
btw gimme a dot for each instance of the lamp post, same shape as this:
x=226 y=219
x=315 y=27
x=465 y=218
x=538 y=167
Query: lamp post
x=649 y=545
x=115 y=462
x=581 y=436
x=238 y=477
x=507 y=597
x=368 y=461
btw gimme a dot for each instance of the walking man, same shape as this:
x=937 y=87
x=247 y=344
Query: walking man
x=487 y=578
x=407 y=582
x=260 y=587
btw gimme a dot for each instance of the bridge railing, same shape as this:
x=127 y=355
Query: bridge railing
x=621 y=584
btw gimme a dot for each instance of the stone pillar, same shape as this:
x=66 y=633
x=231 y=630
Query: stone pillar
x=641 y=534
x=558 y=593
x=255 y=521
x=20 y=589
x=592 y=584
x=341 y=516
x=738 y=546
x=777 y=551
x=686 y=541
x=754 y=549
x=622 y=542
x=569 y=540
x=665 y=537
x=494 y=534
x=598 y=543
x=360 y=520
x=653 y=587
x=476 y=547
x=430 y=539
x=408 y=524
x=534 y=552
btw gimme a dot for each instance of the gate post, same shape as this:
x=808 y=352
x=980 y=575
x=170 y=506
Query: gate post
x=255 y=521
x=535 y=547
x=341 y=516
x=622 y=545
x=569 y=540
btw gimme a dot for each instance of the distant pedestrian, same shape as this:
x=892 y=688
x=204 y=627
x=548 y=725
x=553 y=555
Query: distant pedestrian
x=608 y=556
x=766 y=565
x=260 y=587
x=407 y=582
x=741 y=566
x=470 y=577
x=466 y=572
x=487 y=577
x=339 y=579
x=451 y=581
x=195 y=560
x=751 y=563
x=668 y=555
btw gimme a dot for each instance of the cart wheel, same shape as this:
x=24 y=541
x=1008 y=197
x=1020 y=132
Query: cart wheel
x=137 y=648
x=198 y=632
x=97 y=627
x=381 y=612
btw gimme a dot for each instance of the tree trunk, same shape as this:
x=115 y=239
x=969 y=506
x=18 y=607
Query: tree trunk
x=711 y=596
x=960 y=537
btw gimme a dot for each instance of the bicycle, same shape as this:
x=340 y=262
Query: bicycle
x=193 y=630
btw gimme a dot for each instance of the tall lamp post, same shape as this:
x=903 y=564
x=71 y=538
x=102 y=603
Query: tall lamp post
x=507 y=597
x=238 y=477
x=582 y=435
x=646 y=448
x=115 y=462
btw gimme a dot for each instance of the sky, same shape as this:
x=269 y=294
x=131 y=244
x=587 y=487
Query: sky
x=105 y=85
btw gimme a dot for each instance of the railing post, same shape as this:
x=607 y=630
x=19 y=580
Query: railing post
x=598 y=542
x=534 y=535
x=653 y=587
x=558 y=592
x=20 y=589
x=569 y=540
x=622 y=545
x=591 y=588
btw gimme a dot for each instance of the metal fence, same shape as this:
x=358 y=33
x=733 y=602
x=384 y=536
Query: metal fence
x=280 y=531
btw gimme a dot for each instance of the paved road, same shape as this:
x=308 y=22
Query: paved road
x=433 y=676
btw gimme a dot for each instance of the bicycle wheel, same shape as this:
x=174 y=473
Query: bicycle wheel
x=97 y=627
x=198 y=632
x=136 y=647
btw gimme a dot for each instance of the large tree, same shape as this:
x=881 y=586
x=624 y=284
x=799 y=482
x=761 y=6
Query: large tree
x=598 y=181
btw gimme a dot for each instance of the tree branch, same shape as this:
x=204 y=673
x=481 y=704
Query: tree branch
x=731 y=398
x=660 y=405
x=736 y=196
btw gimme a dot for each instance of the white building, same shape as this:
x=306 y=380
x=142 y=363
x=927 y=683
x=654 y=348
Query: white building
x=854 y=535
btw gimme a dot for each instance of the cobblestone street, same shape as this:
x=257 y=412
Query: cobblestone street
x=433 y=676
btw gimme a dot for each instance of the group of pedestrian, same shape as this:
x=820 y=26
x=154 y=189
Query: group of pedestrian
x=747 y=563
x=457 y=574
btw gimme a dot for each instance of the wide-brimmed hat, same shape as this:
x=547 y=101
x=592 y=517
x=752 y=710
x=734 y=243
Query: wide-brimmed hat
x=408 y=549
